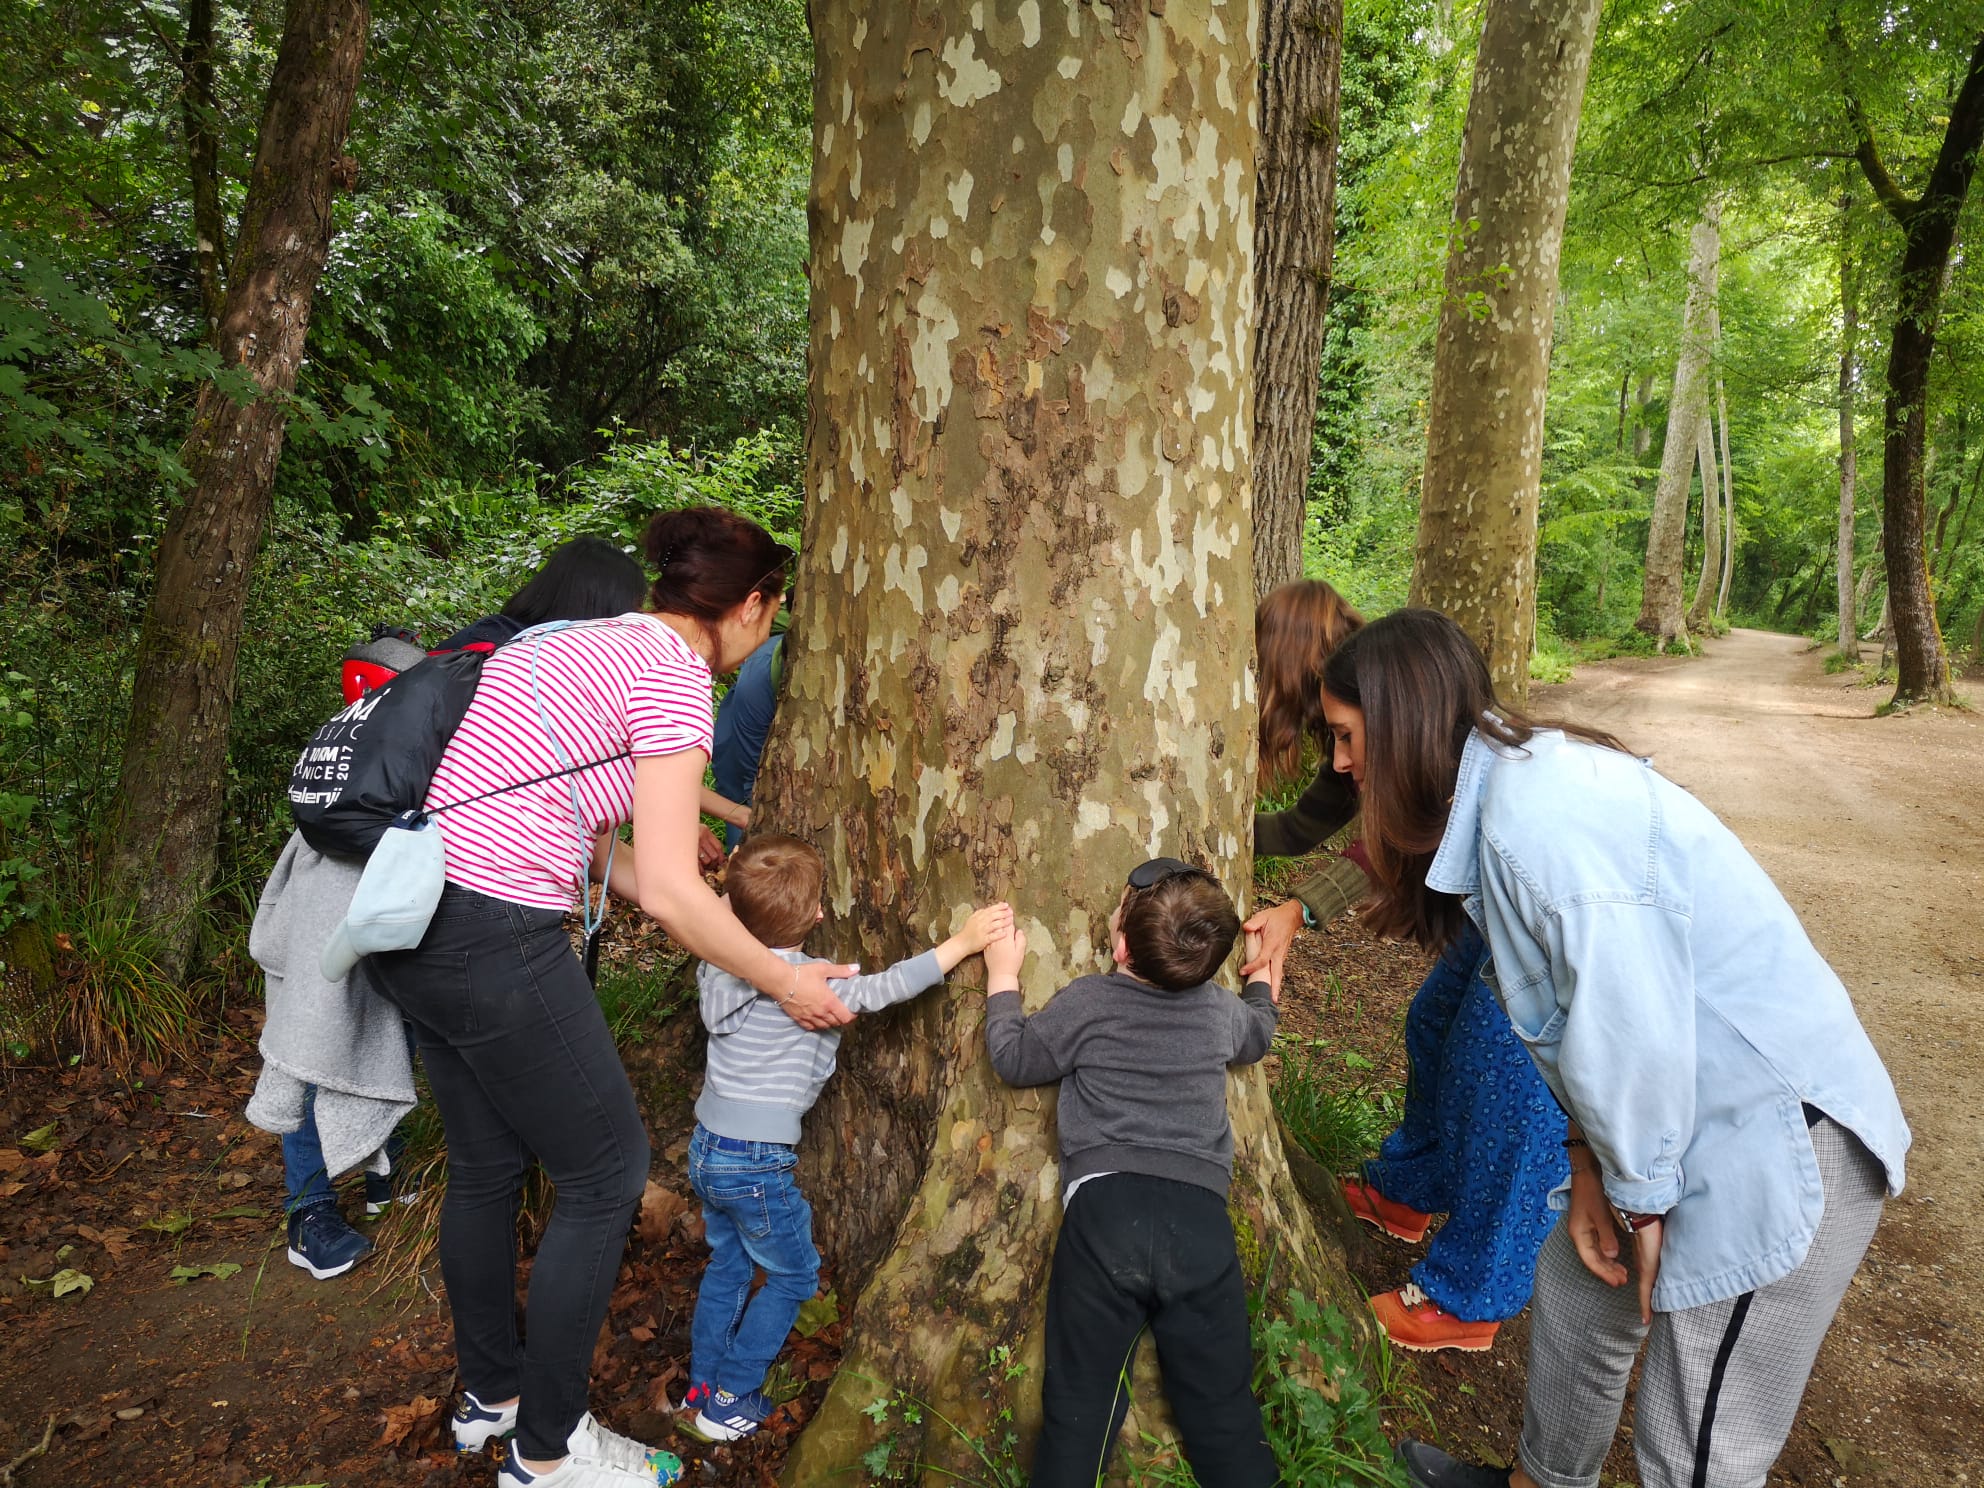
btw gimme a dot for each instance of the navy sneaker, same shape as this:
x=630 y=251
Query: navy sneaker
x=323 y=1244
x=1429 y=1467
x=382 y=1191
x=727 y=1417
x=477 y=1425
x=694 y=1398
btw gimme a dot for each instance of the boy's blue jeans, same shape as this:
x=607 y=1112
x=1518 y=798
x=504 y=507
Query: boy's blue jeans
x=753 y=1215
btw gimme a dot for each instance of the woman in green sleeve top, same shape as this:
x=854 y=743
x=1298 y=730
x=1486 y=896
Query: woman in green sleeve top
x=1482 y=1139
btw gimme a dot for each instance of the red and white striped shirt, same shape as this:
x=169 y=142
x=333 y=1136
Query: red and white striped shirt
x=610 y=686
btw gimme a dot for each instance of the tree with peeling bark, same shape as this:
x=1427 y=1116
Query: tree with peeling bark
x=1662 y=615
x=1476 y=552
x=1928 y=222
x=1020 y=657
x=1294 y=242
x=161 y=848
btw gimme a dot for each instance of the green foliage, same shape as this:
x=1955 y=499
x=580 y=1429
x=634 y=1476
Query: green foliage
x=1319 y=1401
x=1329 y=1102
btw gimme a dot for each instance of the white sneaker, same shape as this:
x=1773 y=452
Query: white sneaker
x=597 y=1458
x=477 y=1425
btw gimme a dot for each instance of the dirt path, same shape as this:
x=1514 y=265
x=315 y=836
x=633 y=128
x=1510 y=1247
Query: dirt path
x=1871 y=827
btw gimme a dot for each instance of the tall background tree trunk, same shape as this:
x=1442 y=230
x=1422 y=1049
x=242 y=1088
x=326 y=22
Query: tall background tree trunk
x=160 y=853
x=1702 y=610
x=1294 y=245
x=1929 y=224
x=1476 y=553
x=1728 y=495
x=1021 y=656
x=1661 y=601
x=200 y=118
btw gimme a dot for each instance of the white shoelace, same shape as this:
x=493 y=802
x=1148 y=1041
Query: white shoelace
x=1411 y=1296
x=610 y=1447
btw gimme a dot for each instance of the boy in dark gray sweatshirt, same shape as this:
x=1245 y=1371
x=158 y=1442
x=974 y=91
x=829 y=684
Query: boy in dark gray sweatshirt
x=1146 y=1156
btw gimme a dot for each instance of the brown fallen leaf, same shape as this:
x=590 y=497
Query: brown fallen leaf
x=660 y=1209
x=415 y=1425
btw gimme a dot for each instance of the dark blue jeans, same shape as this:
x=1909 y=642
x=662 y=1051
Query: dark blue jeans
x=1482 y=1142
x=303 y=1171
x=1137 y=1252
x=753 y=1215
x=521 y=1062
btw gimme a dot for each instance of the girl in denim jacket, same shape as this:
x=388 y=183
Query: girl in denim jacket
x=1733 y=1133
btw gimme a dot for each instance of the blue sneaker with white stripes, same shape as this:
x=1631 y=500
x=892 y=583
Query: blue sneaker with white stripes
x=477 y=1425
x=728 y=1417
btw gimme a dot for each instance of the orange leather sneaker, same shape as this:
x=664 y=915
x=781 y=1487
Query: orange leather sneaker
x=1374 y=1208
x=1415 y=1321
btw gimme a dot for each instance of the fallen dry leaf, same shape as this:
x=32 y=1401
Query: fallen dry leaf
x=413 y=1424
x=661 y=1208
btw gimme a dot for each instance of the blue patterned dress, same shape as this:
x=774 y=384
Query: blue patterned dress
x=1481 y=1142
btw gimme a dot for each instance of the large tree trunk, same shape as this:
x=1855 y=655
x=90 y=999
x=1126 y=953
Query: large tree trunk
x=1929 y=225
x=1294 y=243
x=162 y=844
x=1702 y=610
x=1661 y=614
x=1476 y=556
x=1021 y=655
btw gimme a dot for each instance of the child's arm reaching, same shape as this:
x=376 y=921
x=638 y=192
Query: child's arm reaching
x=993 y=922
x=1023 y=1050
x=911 y=978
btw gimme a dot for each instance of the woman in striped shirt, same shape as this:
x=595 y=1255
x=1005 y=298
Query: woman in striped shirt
x=515 y=1045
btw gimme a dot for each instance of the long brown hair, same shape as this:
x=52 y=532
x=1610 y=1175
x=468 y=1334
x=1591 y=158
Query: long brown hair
x=1423 y=687
x=1295 y=629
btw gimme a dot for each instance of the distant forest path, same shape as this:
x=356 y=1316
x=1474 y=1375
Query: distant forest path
x=1874 y=830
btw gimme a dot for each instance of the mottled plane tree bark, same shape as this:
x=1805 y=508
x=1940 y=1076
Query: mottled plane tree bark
x=1928 y=223
x=1663 y=599
x=1021 y=655
x=162 y=843
x=1476 y=555
x=1294 y=244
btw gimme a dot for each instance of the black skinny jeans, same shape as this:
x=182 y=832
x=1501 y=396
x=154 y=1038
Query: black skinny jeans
x=1137 y=1252
x=522 y=1064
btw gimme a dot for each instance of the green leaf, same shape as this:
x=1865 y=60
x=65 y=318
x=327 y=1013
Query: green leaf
x=816 y=1313
x=171 y=1224
x=218 y=1270
x=42 y=1139
x=63 y=1282
x=241 y=1211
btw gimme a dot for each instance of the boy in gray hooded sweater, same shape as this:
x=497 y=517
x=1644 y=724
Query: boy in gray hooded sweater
x=763 y=1074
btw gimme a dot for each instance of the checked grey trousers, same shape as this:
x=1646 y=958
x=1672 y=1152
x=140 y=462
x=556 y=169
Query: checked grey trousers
x=1721 y=1382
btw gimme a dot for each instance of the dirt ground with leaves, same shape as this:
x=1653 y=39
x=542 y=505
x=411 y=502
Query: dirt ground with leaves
x=184 y=1350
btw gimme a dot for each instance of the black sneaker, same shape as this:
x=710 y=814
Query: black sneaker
x=323 y=1244
x=1429 y=1467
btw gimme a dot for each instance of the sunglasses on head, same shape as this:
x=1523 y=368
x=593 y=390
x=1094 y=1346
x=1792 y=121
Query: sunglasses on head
x=1148 y=875
x=773 y=572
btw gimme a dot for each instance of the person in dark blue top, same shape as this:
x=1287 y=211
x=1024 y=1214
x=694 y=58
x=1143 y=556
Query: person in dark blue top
x=743 y=721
